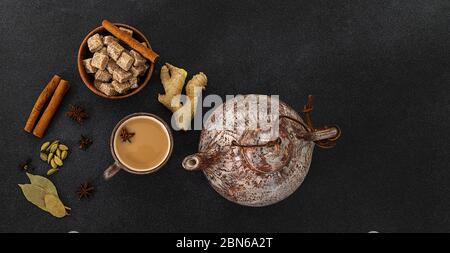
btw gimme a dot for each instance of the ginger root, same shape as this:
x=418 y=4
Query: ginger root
x=173 y=79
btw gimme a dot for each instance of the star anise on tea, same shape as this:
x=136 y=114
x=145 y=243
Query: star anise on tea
x=125 y=135
x=84 y=142
x=85 y=190
x=26 y=165
x=77 y=113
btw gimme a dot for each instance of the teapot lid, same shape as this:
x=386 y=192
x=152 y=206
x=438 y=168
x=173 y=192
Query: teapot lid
x=266 y=151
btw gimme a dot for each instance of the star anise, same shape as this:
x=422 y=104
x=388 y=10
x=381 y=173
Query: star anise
x=84 y=142
x=85 y=190
x=26 y=165
x=77 y=113
x=125 y=135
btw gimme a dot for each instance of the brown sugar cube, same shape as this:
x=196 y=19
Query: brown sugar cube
x=134 y=71
x=99 y=60
x=103 y=75
x=139 y=70
x=125 y=61
x=106 y=88
x=134 y=83
x=138 y=59
x=121 y=87
x=108 y=39
x=95 y=42
x=121 y=75
x=128 y=31
x=111 y=66
x=103 y=51
x=88 y=67
x=114 y=50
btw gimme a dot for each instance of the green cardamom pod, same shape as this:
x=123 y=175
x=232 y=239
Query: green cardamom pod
x=53 y=147
x=58 y=161
x=53 y=163
x=49 y=157
x=43 y=157
x=64 y=154
x=45 y=145
x=51 y=144
x=63 y=147
x=58 y=152
x=52 y=171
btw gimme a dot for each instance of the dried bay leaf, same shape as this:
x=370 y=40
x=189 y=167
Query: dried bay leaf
x=44 y=183
x=34 y=194
x=42 y=193
x=54 y=206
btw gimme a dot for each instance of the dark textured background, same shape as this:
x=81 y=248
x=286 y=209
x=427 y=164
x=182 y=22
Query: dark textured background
x=379 y=69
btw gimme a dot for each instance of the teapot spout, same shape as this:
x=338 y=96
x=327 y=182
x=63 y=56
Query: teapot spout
x=199 y=161
x=191 y=162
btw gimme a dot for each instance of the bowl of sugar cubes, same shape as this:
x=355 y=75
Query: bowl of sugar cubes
x=110 y=68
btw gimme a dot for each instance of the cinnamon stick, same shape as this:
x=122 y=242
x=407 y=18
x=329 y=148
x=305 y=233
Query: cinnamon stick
x=52 y=106
x=45 y=95
x=127 y=39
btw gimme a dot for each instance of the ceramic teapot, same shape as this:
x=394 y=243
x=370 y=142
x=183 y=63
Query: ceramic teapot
x=258 y=164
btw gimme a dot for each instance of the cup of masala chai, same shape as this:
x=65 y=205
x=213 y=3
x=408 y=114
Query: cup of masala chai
x=141 y=143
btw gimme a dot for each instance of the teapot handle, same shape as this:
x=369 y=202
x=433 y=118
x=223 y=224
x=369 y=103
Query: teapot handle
x=325 y=137
x=322 y=136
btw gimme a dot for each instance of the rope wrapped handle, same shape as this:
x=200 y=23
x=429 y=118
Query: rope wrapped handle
x=325 y=143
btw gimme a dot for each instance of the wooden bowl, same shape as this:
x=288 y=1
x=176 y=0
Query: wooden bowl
x=88 y=79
